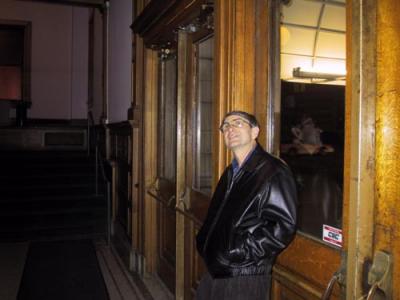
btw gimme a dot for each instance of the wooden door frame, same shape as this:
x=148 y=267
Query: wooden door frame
x=360 y=134
x=183 y=89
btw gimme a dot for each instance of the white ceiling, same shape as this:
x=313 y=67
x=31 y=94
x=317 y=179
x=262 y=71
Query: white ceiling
x=313 y=37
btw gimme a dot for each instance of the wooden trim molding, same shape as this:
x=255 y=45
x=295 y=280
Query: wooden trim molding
x=149 y=158
x=158 y=22
x=360 y=150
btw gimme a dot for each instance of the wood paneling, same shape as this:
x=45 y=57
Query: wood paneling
x=160 y=19
x=313 y=262
x=387 y=227
x=359 y=180
x=242 y=78
x=167 y=246
x=121 y=155
x=240 y=65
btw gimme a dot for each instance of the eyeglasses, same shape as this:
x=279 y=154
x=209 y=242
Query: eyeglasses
x=236 y=123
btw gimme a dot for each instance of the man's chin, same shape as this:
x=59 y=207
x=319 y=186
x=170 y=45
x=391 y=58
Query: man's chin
x=233 y=146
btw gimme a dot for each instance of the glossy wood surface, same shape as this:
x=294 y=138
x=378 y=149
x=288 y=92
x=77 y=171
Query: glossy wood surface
x=387 y=227
x=241 y=68
x=360 y=150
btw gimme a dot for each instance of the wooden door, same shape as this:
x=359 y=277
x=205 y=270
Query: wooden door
x=311 y=125
x=366 y=263
x=197 y=165
x=171 y=28
x=194 y=163
x=164 y=188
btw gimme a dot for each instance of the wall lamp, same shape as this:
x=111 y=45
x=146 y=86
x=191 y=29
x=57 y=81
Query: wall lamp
x=298 y=73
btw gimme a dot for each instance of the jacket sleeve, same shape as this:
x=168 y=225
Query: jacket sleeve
x=277 y=213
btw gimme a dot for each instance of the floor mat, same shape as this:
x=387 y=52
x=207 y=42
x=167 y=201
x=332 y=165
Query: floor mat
x=62 y=270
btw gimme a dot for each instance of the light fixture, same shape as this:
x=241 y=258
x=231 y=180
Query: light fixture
x=298 y=73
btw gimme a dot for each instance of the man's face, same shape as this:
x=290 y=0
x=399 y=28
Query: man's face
x=238 y=132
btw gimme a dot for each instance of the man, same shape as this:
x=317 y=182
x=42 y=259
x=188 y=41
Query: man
x=251 y=218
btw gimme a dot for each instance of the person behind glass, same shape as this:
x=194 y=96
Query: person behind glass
x=250 y=220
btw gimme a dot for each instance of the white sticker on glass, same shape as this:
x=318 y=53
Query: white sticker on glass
x=332 y=235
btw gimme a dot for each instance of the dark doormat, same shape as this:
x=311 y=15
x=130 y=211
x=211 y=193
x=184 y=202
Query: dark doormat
x=62 y=270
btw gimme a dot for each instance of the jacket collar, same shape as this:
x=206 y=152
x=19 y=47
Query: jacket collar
x=252 y=161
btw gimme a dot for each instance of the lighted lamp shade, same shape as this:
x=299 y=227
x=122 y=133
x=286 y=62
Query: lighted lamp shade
x=10 y=82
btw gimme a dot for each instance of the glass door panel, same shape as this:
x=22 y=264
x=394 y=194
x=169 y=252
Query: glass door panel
x=312 y=143
x=165 y=189
x=203 y=120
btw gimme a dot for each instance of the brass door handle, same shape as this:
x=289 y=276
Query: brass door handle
x=338 y=277
x=328 y=291
x=372 y=291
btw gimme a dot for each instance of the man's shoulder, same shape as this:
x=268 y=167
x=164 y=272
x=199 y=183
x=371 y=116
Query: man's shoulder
x=270 y=162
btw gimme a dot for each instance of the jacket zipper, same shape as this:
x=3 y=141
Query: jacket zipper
x=234 y=177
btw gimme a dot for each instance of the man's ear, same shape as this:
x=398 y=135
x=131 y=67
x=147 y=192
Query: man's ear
x=254 y=132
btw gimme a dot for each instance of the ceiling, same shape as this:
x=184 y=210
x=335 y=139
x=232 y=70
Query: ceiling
x=313 y=37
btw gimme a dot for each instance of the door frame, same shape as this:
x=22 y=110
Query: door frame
x=360 y=132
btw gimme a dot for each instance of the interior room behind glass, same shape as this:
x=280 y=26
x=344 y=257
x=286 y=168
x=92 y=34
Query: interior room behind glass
x=313 y=60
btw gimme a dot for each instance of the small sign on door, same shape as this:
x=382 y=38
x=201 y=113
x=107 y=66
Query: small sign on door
x=332 y=235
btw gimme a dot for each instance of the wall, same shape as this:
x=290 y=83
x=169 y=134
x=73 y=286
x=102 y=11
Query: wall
x=59 y=51
x=79 y=82
x=97 y=106
x=120 y=59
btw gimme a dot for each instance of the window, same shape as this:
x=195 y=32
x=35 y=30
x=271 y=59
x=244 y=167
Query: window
x=203 y=120
x=167 y=122
x=11 y=61
x=312 y=143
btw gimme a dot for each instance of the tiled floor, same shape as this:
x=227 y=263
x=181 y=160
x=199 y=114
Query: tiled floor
x=121 y=284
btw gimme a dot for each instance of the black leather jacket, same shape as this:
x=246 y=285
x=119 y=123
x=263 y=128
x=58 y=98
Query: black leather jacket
x=251 y=218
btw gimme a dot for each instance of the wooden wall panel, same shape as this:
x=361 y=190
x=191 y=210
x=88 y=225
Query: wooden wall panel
x=387 y=230
x=167 y=247
x=241 y=58
x=120 y=141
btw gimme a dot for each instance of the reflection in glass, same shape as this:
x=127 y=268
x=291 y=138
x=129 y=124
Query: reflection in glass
x=312 y=138
x=167 y=122
x=203 y=125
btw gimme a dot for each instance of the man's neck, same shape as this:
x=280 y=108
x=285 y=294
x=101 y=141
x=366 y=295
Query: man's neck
x=240 y=154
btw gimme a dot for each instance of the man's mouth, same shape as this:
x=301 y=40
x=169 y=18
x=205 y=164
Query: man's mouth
x=233 y=138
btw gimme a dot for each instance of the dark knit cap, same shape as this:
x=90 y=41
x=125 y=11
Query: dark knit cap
x=249 y=117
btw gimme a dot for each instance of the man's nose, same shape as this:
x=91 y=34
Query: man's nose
x=230 y=128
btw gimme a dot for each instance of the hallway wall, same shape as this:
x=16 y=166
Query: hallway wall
x=59 y=57
x=120 y=60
